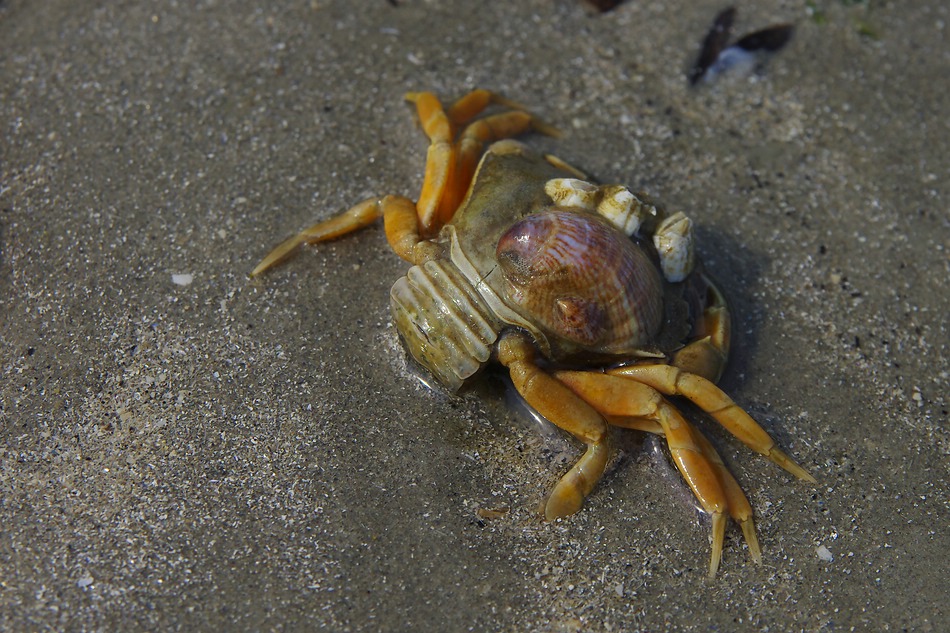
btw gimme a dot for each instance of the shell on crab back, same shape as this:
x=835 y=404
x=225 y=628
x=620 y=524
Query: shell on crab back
x=582 y=280
x=592 y=292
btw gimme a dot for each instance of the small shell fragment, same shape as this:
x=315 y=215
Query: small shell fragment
x=716 y=55
x=183 y=279
x=492 y=513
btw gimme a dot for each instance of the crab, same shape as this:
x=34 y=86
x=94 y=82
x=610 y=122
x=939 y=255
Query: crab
x=590 y=295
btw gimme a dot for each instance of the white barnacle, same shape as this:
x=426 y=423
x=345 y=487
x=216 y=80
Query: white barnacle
x=571 y=192
x=622 y=208
x=674 y=244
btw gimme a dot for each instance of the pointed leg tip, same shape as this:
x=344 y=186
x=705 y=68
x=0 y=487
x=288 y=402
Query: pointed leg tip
x=546 y=129
x=800 y=473
x=283 y=251
x=752 y=540
x=782 y=459
x=718 y=537
x=261 y=267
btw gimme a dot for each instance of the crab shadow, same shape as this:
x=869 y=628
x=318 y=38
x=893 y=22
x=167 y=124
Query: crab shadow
x=736 y=269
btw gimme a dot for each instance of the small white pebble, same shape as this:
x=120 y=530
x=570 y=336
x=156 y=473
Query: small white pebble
x=183 y=279
x=824 y=554
x=85 y=581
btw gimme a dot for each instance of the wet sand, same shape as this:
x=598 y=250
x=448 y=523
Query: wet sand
x=185 y=448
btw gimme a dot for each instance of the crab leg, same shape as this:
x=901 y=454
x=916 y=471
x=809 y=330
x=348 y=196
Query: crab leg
x=562 y=407
x=440 y=162
x=404 y=233
x=357 y=217
x=399 y=216
x=739 y=507
x=471 y=105
x=673 y=381
x=473 y=138
x=634 y=405
x=706 y=355
x=450 y=167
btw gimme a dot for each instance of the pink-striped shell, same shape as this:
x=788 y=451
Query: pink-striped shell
x=582 y=280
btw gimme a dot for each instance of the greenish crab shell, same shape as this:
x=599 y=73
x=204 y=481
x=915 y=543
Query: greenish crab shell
x=581 y=288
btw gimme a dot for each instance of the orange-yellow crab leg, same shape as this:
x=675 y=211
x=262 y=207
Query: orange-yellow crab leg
x=440 y=162
x=739 y=507
x=355 y=218
x=451 y=166
x=401 y=222
x=471 y=105
x=473 y=138
x=673 y=381
x=706 y=355
x=568 y=411
x=403 y=231
x=634 y=405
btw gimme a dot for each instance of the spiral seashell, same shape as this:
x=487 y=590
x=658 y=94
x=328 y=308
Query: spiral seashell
x=582 y=280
